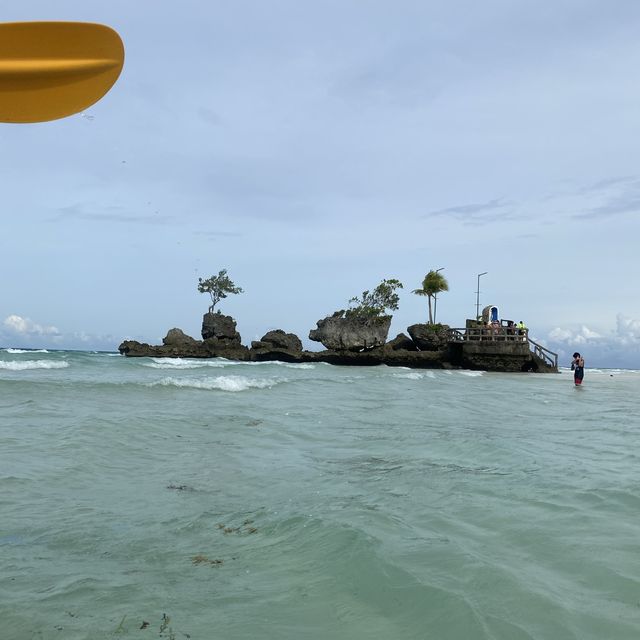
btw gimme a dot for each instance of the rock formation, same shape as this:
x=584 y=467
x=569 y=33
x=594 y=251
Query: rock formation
x=349 y=342
x=401 y=343
x=277 y=345
x=221 y=338
x=429 y=337
x=278 y=340
x=351 y=334
x=222 y=328
x=177 y=337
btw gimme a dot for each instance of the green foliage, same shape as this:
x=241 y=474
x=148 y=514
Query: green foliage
x=432 y=284
x=218 y=287
x=374 y=303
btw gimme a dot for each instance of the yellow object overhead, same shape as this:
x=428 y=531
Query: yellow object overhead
x=49 y=70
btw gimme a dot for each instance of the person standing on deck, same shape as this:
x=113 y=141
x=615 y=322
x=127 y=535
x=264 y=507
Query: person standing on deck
x=522 y=329
x=577 y=366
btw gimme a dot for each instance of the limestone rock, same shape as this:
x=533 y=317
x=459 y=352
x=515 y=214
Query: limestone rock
x=278 y=340
x=177 y=337
x=223 y=328
x=351 y=334
x=134 y=348
x=429 y=337
x=401 y=342
x=222 y=348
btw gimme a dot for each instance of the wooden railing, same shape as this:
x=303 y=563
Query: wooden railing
x=548 y=356
x=503 y=334
x=500 y=334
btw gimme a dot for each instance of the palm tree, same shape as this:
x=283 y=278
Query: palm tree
x=432 y=285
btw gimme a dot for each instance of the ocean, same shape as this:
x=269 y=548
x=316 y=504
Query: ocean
x=171 y=498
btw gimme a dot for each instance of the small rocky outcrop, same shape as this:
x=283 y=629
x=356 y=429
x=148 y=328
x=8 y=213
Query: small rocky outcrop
x=216 y=348
x=429 y=337
x=401 y=343
x=169 y=349
x=135 y=348
x=221 y=328
x=177 y=337
x=351 y=334
x=222 y=341
x=278 y=340
x=277 y=345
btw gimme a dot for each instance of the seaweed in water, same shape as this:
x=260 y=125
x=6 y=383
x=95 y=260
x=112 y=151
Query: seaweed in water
x=202 y=559
x=164 y=626
x=243 y=528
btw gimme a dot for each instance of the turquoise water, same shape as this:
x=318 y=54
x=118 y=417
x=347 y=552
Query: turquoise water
x=213 y=499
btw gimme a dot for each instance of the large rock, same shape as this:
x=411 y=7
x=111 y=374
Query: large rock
x=351 y=334
x=217 y=348
x=279 y=340
x=401 y=343
x=429 y=337
x=222 y=328
x=277 y=345
x=135 y=348
x=177 y=337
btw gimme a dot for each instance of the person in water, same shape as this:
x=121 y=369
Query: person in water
x=577 y=366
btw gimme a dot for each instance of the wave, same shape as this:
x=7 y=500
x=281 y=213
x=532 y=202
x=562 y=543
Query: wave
x=220 y=383
x=182 y=363
x=610 y=372
x=26 y=350
x=17 y=365
x=472 y=374
x=414 y=375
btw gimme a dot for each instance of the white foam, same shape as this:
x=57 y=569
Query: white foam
x=26 y=351
x=182 y=363
x=413 y=375
x=17 y=365
x=472 y=374
x=298 y=365
x=221 y=383
x=179 y=363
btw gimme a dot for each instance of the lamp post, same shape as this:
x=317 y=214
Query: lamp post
x=484 y=273
x=435 y=300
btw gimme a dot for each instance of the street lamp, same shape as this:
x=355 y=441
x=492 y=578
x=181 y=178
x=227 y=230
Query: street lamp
x=435 y=300
x=484 y=273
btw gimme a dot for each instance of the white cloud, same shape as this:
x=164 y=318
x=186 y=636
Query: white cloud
x=560 y=335
x=26 y=327
x=628 y=330
x=619 y=347
x=18 y=331
x=584 y=335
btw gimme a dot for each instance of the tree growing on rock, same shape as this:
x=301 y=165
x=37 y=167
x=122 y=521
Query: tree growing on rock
x=433 y=284
x=218 y=287
x=373 y=304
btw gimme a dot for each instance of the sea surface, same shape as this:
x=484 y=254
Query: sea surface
x=169 y=498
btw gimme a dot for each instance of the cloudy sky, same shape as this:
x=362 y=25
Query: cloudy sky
x=313 y=149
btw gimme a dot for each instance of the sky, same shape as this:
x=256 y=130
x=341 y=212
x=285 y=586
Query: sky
x=313 y=149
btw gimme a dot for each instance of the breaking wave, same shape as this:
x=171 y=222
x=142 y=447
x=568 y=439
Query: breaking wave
x=180 y=363
x=414 y=375
x=297 y=365
x=26 y=350
x=17 y=365
x=220 y=383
